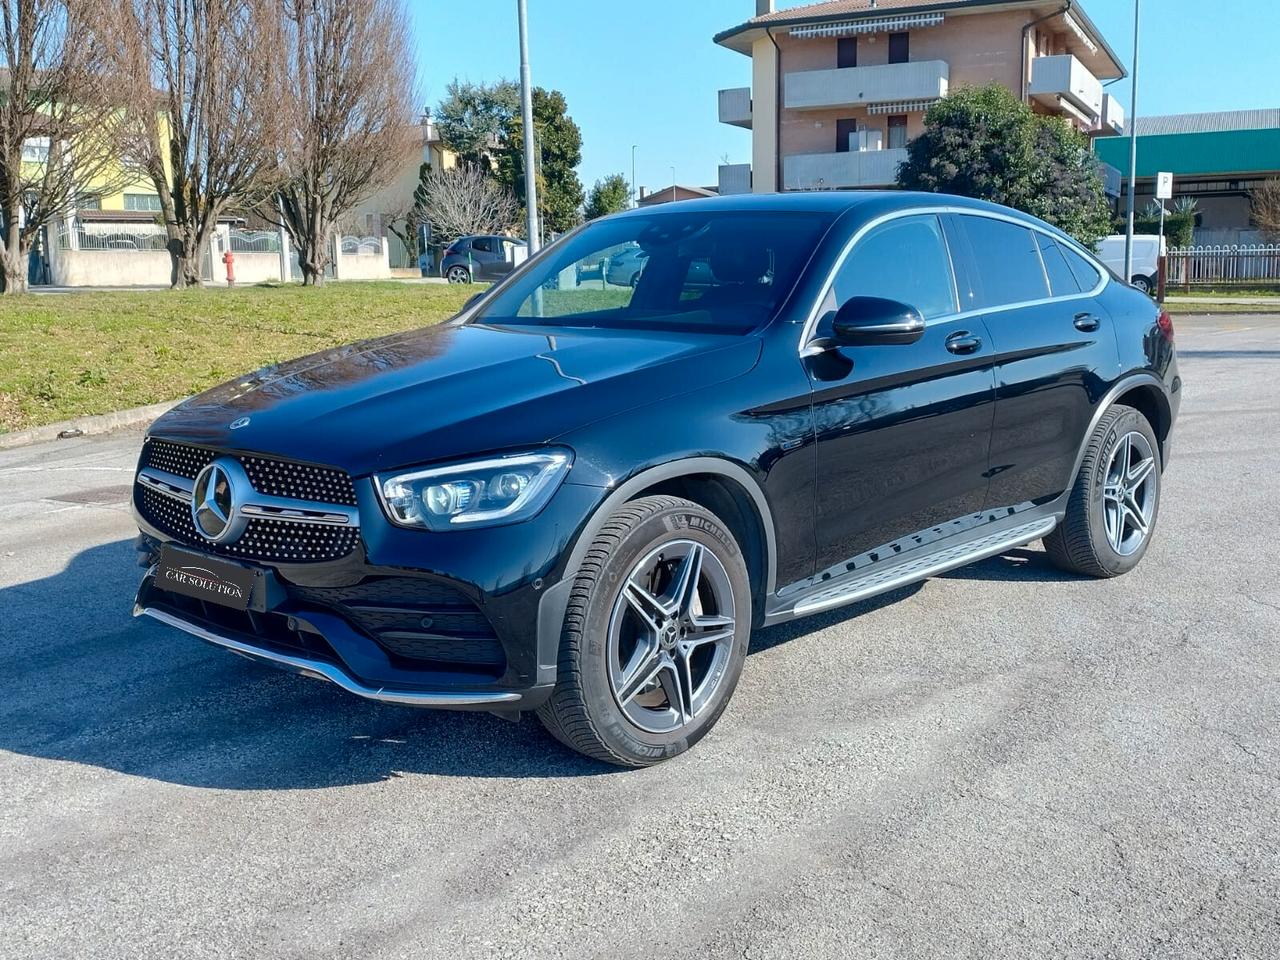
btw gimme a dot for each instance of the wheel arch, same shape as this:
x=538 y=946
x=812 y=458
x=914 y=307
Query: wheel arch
x=1141 y=390
x=721 y=485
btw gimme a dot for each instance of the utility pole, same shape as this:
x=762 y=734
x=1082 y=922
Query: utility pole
x=526 y=116
x=1133 y=146
x=635 y=198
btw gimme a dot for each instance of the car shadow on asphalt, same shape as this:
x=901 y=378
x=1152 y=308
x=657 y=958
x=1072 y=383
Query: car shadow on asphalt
x=87 y=683
x=1019 y=564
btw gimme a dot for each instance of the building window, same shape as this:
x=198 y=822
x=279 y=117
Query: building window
x=899 y=47
x=898 y=132
x=847 y=52
x=35 y=150
x=142 y=201
x=88 y=201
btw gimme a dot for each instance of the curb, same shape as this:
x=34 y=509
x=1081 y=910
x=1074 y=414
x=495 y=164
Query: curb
x=86 y=426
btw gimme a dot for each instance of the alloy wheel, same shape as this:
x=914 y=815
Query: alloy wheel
x=458 y=275
x=671 y=636
x=1129 y=493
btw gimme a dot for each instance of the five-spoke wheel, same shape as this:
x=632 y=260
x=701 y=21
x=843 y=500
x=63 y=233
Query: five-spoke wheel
x=655 y=634
x=1112 y=507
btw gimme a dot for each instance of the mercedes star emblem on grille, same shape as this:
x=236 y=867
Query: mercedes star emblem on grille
x=216 y=498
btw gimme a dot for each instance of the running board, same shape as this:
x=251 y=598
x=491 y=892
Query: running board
x=898 y=575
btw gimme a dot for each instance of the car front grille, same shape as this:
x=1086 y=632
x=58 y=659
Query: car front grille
x=419 y=620
x=264 y=539
x=280 y=478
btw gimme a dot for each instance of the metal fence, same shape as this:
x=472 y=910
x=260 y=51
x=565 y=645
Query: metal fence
x=362 y=246
x=115 y=239
x=255 y=241
x=1223 y=265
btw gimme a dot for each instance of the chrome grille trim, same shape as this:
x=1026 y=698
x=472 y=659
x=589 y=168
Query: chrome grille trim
x=262 y=505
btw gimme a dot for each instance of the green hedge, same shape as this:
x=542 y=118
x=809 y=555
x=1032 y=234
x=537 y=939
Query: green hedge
x=1179 y=228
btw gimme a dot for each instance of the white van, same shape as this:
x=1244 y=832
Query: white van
x=1147 y=248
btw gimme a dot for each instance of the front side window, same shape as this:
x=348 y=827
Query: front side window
x=904 y=260
x=724 y=272
x=1007 y=259
x=483 y=244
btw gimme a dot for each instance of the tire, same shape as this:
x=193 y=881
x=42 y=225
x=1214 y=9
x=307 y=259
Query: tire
x=601 y=709
x=1086 y=540
x=1145 y=284
x=458 y=274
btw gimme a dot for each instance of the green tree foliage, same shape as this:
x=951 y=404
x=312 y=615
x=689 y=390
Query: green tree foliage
x=474 y=118
x=610 y=195
x=481 y=123
x=986 y=143
x=559 y=151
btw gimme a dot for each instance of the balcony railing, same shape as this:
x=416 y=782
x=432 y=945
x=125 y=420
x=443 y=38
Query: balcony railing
x=1112 y=115
x=830 y=171
x=1066 y=78
x=735 y=106
x=734 y=178
x=853 y=86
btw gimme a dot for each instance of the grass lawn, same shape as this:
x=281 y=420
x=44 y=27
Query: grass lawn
x=66 y=355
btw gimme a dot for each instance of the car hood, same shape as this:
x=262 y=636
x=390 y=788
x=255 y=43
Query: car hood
x=451 y=391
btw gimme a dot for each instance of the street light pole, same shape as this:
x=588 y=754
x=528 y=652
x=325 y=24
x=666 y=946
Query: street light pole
x=1133 y=147
x=526 y=117
x=634 y=201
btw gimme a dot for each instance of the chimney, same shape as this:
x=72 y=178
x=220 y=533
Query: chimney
x=643 y=192
x=763 y=7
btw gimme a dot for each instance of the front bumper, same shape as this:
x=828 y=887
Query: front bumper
x=322 y=670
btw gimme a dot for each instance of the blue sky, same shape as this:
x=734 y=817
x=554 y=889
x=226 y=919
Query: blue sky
x=646 y=72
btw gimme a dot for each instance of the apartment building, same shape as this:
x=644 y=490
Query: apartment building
x=839 y=88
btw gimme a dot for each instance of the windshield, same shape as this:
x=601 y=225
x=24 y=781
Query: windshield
x=718 y=271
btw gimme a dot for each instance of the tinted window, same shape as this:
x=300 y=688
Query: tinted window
x=724 y=271
x=483 y=244
x=1062 y=282
x=1086 y=273
x=904 y=260
x=1007 y=261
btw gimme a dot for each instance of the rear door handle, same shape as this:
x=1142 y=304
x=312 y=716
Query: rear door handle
x=1086 y=322
x=963 y=342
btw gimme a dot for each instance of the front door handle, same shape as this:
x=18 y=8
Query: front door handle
x=964 y=342
x=1086 y=322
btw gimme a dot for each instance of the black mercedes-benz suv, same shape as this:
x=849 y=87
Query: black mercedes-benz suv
x=579 y=498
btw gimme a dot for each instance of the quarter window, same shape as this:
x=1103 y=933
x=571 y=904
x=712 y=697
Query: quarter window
x=1007 y=260
x=1062 y=282
x=1086 y=273
x=904 y=260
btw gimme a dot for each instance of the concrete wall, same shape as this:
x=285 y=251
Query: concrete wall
x=110 y=268
x=363 y=266
x=258 y=266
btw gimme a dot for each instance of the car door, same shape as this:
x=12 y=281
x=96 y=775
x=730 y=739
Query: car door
x=1055 y=352
x=484 y=257
x=902 y=429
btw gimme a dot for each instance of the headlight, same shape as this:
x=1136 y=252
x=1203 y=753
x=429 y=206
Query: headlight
x=482 y=493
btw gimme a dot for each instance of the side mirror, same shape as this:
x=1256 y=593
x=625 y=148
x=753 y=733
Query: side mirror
x=868 y=321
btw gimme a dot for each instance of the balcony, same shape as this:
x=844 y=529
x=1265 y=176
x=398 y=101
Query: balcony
x=735 y=107
x=734 y=178
x=1112 y=115
x=856 y=86
x=1055 y=80
x=829 y=171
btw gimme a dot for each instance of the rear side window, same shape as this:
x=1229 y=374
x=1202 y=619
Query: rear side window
x=483 y=244
x=1007 y=261
x=1085 y=272
x=904 y=260
x=1062 y=282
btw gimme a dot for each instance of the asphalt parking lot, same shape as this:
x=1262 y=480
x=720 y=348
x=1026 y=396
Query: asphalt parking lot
x=1005 y=761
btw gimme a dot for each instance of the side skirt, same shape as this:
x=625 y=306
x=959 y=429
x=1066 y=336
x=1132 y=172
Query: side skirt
x=899 y=569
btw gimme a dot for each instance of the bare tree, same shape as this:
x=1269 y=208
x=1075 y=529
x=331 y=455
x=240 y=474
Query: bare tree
x=462 y=201
x=1264 y=205
x=205 y=77
x=56 y=118
x=348 y=116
